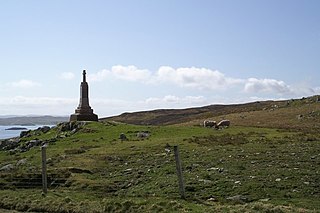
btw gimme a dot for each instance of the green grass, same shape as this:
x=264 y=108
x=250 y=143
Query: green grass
x=275 y=170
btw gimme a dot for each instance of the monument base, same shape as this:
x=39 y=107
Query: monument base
x=83 y=117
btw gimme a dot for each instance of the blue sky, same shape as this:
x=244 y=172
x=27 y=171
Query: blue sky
x=143 y=54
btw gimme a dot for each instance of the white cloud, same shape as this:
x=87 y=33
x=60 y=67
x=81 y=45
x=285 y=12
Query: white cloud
x=131 y=73
x=24 y=84
x=99 y=76
x=40 y=101
x=127 y=73
x=21 y=105
x=317 y=90
x=199 y=78
x=303 y=89
x=202 y=79
x=67 y=76
x=254 y=85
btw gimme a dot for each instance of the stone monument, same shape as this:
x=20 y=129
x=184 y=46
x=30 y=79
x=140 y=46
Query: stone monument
x=84 y=111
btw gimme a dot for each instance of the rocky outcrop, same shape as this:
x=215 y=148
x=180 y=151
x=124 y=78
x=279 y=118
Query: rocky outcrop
x=36 y=132
x=16 y=145
x=8 y=144
x=71 y=127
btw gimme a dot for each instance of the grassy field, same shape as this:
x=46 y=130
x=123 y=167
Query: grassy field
x=239 y=169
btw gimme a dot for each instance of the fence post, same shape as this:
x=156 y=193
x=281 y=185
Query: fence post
x=44 y=170
x=179 y=172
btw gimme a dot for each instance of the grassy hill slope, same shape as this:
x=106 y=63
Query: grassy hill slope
x=297 y=114
x=253 y=166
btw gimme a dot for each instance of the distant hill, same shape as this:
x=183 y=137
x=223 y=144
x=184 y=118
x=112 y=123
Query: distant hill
x=293 y=113
x=32 y=120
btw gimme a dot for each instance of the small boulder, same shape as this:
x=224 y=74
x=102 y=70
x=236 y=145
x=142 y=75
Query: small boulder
x=64 y=126
x=143 y=134
x=33 y=143
x=21 y=162
x=79 y=170
x=299 y=117
x=3 y=144
x=239 y=199
x=49 y=161
x=74 y=131
x=212 y=199
x=7 y=168
x=123 y=137
x=45 y=129
x=25 y=133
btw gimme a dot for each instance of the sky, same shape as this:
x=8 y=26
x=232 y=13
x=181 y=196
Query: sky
x=144 y=55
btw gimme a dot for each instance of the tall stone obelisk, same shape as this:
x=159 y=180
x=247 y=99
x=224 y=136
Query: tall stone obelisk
x=84 y=111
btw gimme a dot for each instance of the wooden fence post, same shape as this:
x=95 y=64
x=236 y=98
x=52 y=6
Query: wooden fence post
x=44 y=170
x=179 y=172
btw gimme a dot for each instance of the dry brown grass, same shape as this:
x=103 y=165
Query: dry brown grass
x=305 y=117
x=297 y=114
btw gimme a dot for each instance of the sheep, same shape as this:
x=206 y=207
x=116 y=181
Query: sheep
x=209 y=123
x=223 y=123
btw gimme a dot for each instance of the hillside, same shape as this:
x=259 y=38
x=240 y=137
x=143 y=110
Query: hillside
x=175 y=116
x=294 y=113
x=32 y=120
x=111 y=166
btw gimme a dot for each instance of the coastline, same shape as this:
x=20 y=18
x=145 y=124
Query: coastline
x=12 y=131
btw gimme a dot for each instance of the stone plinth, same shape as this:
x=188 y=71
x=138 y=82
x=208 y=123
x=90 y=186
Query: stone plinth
x=83 y=117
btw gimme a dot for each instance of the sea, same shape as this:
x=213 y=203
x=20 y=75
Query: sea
x=5 y=134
